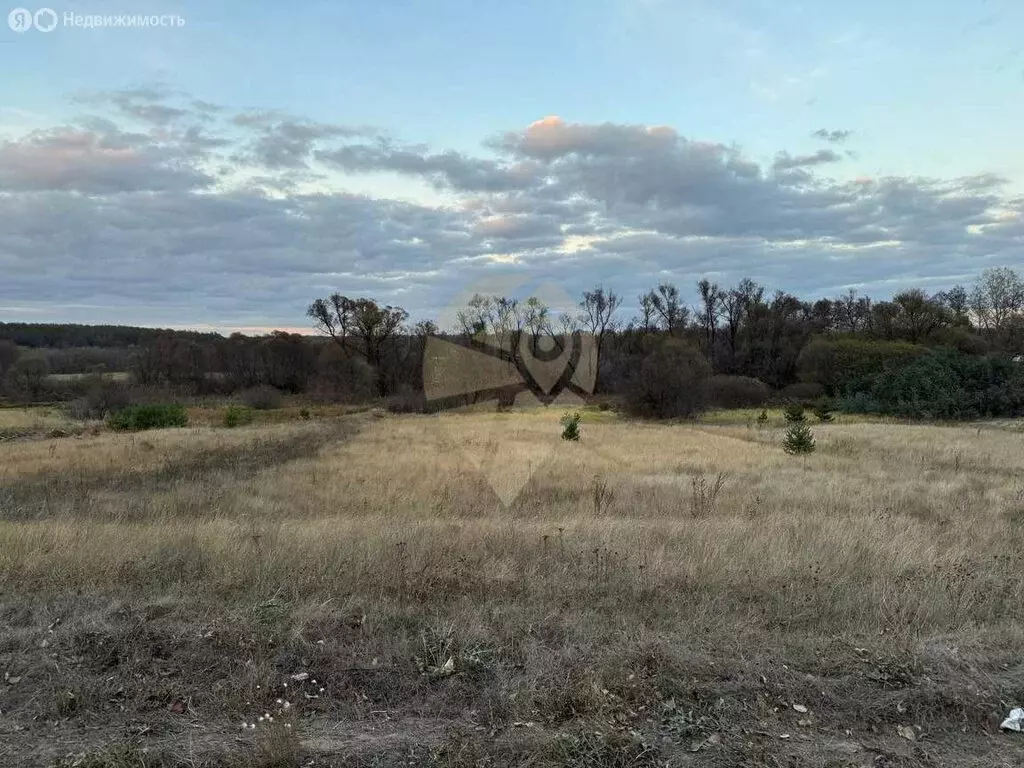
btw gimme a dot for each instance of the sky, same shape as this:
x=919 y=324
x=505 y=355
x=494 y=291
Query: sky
x=224 y=172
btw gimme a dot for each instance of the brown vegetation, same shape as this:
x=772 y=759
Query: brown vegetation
x=654 y=595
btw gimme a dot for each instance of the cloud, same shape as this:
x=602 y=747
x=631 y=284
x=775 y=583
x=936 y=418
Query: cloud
x=447 y=169
x=284 y=141
x=785 y=161
x=196 y=213
x=101 y=161
x=834 y=137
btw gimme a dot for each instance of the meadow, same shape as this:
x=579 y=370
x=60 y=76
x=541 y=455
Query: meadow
x=461 y=589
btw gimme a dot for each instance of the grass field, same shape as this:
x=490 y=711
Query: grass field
x=652 y=595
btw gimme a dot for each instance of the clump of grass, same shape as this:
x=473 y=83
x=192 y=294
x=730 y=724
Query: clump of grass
x=120 y=755
x=601 y=495
x=275 y=726
x=236 y=415
x=605 y=749
x=704 y=494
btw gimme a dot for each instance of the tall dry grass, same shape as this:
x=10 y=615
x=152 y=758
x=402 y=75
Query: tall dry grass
x=640 y=537
x=884 y=527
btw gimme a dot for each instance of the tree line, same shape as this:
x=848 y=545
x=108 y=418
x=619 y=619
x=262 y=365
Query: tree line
x=746 y=343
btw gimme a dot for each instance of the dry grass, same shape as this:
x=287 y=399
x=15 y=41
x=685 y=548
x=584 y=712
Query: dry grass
x=29 y=420
x=652 y=594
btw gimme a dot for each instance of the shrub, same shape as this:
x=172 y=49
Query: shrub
x=671 y=382
x=823 y=409
x=737 y=392
x=947 y=385
x=102 y=398
x=798 y=439
x=794 y=413
x=570 y=426
x=262 y=398
x=840 y=365
x=138 y=417
x=304 y=414
x=762 y=419
x=236 y=415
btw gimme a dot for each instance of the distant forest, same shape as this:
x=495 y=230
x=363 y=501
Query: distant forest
x=957 y=353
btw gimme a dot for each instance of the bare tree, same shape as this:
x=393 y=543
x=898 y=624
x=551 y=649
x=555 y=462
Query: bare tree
x=647 y=311
x=673 y=313
x=997 y=299
x=599 y=307
x=710 y=294
x=536 y=318
x=851 y=312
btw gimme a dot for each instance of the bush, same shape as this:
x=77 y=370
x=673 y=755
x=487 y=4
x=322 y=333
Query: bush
x=138 y=417
x=671 y=382
x=737 y=392
x=762 y=419
x=794 y=414
x=798 y=440
x=304 y=414
x=262 y=398
x=823 y=409
x=947 y=385
x=840 y=365
x=102 y=398
x=236 y=415
x=570 y=426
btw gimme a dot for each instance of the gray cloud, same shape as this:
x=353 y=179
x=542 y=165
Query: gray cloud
x=445 y=169
x=194 y=213
x=94 y=162
x=785 y=161
x=834 y=137
x=283 y=141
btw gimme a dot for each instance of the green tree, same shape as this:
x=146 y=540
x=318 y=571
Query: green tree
x=799 y=440
x=794 y=413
